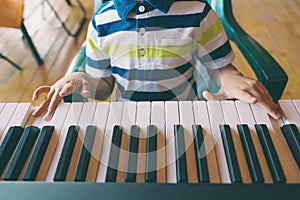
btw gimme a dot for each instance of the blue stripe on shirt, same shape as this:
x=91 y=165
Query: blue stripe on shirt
x=161 y=95
x=98 y=64
x=151 y=74
x=218 y=53
x=163 y=22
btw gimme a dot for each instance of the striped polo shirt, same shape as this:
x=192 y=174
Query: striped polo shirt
x=153 y=48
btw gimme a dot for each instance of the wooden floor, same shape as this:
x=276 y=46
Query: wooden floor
x=55 y=46
x=273 y=23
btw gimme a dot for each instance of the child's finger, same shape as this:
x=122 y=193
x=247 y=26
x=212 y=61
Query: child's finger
x=86 y=88
x=272 y=109
x=44 y=105
x=39 y=91
x=41 y=108
x=55 y=100
x=261 y=94
x=210 y=96
x=246 y=96
x=67 y=89
x=264 y=99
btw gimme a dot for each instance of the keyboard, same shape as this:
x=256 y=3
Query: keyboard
x=134 y=150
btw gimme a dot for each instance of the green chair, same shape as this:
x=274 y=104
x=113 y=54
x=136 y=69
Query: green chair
x=266 y=69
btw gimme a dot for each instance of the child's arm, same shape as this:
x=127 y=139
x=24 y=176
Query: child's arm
x=78 y=82
x=235 y=85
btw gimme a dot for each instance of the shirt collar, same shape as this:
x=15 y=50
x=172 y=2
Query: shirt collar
x=124 y=7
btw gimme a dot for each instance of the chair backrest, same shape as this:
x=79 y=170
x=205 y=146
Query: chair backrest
x=11 y=13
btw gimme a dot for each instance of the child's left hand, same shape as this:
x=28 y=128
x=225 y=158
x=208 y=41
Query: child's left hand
x=235 y=86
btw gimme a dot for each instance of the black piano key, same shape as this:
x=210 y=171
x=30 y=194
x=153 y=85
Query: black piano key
x=181 y=167
x=250 y=154
x=112 y=168
x=292 y=137
x=232 y=162
x=270 y=153
x=85 y=154
x=38 y=153
x=8 y=145
x=132 y=158
x=66 y=155
x=22 y=152
x=150 y=175
x=202 y=168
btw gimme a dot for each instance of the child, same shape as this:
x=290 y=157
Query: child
x=150 y=50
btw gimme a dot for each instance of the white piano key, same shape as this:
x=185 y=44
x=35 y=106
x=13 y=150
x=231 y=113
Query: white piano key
x=71 y=119
x=14 y=115
x=21 y=114
x=5 y=116
x=142 y=120
x=286 y=159
x=35 y=121
x=86 y=118
x=232 y=119
x=291 y=115
x=158 y=119
x=57 y=121
x=202 y=118
x=100 y=119
x=216 y=118
x=114 y=118
x=246 y=117
x=172 y=118
x=297 y=105
x=1 y=106
x=128 y=119
x=186 y=116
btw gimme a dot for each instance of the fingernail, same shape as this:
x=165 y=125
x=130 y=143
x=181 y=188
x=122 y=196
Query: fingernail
x=46 y=117
x=278 y=115
x=253 y=99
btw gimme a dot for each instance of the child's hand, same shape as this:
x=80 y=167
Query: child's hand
x=235 y=85
x=74 y=82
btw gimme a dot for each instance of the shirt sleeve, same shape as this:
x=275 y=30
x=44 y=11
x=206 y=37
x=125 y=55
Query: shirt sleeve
x=214 y=49
x=97 y=61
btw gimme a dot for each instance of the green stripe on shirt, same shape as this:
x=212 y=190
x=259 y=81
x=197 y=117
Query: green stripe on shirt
x=159 y=51
x=211 y=33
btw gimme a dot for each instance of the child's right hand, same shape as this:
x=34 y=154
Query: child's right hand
x=74 y=82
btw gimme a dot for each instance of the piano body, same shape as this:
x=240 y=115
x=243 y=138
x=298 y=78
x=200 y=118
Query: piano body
x=146 y=150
